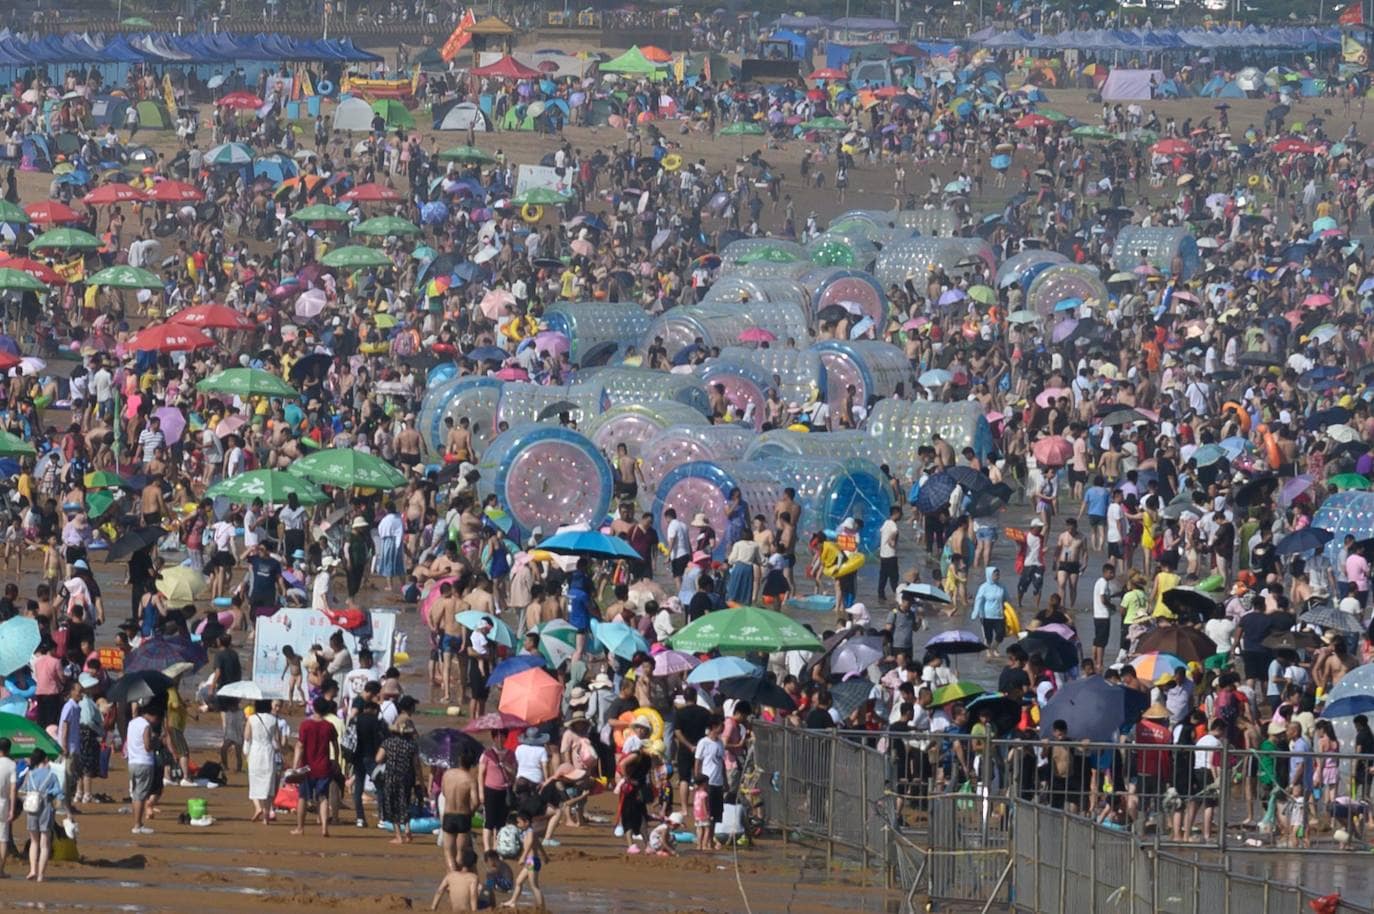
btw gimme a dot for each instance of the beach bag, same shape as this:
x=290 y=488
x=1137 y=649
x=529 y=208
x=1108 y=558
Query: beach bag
x=508 y=842
x=287 y=798
x=34 y=795
x=349 y=741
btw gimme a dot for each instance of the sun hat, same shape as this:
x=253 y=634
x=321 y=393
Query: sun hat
x=602 y=681
x=699 y=520
x=87 y=681
x=1156 y=711
x=642 y=721
x=533 y=736
x=360 y=523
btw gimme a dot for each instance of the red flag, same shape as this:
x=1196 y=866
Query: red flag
x=460 y=37
x=1352 y=14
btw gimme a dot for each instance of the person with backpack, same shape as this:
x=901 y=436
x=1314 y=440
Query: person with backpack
x=41 y=791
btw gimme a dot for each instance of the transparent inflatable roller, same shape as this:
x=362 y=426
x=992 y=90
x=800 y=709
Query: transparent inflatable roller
x=644 y=386
x=831 y=489
x=797 y=373
x=1171 y=251
x=673 y=447
x=473 y=397
x=1064 y=280
x=633 y=424
x=547 y=476
x=589 y=324
x=1021 y=269
x=875 y=368
x=704 y=486
x=544 y=403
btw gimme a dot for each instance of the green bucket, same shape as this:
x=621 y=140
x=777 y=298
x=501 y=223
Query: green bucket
x=195 y=807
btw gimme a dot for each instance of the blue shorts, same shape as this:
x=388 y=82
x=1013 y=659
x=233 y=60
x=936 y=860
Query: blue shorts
x=451 y=644
x=315 y=788
x=988 y=534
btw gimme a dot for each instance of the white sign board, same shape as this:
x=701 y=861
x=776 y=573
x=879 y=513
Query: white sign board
x=299 y=629
x=531 y=176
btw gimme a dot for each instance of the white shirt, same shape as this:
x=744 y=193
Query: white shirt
x=1116 y=516
x=1102 y=593
x=389 y=712
x=1035 y=548
x=529 y=763
x=133 y=742
x=292 y=518
x=7 y=775
x=679 y=543
x=223 y=534
x=352 y=686
x=887 y=539
x=391 y=527
x=711 y=755
x=319 y=591
x=1202 y=757
x=251 y=531
x=102 y=383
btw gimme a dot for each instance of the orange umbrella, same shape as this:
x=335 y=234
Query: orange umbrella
x=533 y=696
x=310 y=182
x=654 y=53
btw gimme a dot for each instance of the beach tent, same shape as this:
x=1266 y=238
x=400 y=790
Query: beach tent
x=394 y=113
x=600 y=110
x=109 y=109
x=507 y=68
x=353 y=114
x=1131 y=85
x=67 y=144
x=34 y=153
x=517 y=118
x=1173 y=88
x=632 y=62
x=461 y=116
x=153 y=115
x=870 y=73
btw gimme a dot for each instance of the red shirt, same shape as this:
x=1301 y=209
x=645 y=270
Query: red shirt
x=316 y=737
x=1150 y=762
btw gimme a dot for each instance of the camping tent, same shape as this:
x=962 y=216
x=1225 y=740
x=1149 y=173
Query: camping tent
x=507 y=68
x=34 y=153
x=353 y=114
x=632 y=62
x=109 y=109
x=152 y=115
x=460 y=116
x=393 y=112
x=1131 y=85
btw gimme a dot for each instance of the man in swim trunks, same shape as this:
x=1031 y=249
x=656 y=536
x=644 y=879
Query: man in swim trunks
x=408 y=443
x=458 y=446
x=628 y=474
x=443 y=619
x=462 y=797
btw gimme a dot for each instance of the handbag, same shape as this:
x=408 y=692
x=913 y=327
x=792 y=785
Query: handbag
x=34 y=797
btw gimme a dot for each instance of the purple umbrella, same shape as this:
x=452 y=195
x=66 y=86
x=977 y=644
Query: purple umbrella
x=311 y=303
x=156 y=654
x=666 y=663
x=955 y=642
x=1063 y=330
x=7 y=344
x=1061 y=630
x=551 y=341
x=173 y=422
x=1293 y=488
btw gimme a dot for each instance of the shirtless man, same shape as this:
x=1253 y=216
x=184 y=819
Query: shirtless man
x=408 y=444
x=414 y=518
x=470 y=529
x=1332 y=662
x=628 y=474
x=461 y=885
x=786 y=544
x=534 y=610
x=443 y=619
x=458 y=447
x=1069 y=551
x=788 y=505
x=154 y=507
x=479 y=598
x=462 y=797
x=446 y=565
x=764 y=536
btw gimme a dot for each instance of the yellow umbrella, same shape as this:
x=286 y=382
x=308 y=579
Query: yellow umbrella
x=180 y=585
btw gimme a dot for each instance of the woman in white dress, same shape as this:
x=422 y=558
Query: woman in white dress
x=262 y=739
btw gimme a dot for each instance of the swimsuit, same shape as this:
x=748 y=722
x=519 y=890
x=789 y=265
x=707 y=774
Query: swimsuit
x=456 y=823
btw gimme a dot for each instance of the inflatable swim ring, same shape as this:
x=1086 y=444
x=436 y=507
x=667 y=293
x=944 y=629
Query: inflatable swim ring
x=531 y=213
x=672 y=162
x=1242 y=416
x=835 y=564
x=375 y=348
x=655 y=732
x=426 y=826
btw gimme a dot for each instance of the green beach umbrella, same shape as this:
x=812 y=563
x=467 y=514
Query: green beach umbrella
x=355 y=257
x=1347 y=481
x=136 y=22
x=955 y=691
x=247 y=382
x=125 y=278
x=984 y=295
x=25 y=736
x=1092 y=132
x=386 y=225
x=742 y=128
x=272 y=486
x=746 y=628
x=103 y=479
x=319 y=212
x=66 y=239
x=11 y=445
x=12 y=212
x=347 y=467
x=98 y=502
x=19 y=281
x=229 y=154
x=466 y=154
x=824 y=123
x=1056 y=116
x=541 y=196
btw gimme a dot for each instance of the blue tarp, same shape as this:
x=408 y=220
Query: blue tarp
x=1290 y=38
x=195 y=48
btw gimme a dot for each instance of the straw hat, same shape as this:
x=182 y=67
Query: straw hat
x=1156 y=711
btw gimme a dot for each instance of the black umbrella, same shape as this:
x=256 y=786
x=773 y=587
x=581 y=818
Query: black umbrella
x=759 y=691
x=158 y=653
x=141 y=686
x=990 y=500
x=972 y=480
x=314 y=365
x=1292 y=641
x=445 y=747
x=1335 y=415
x=1267 y=359
x=1189 y=604
x=133 y=541
x=1256 y=491
x=1057 y=652
x=1005 y=713
x=553 y=409
x=848 y=696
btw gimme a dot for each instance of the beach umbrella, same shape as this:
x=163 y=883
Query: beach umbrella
x=1256 y=491
x=719 y=669
x=446 y=747
x=386 y=225
x=169 y=337
x=619 y=639
x=1151 y=666
x=229 y=154
x=1187 y=644
x=935 y=492
x=346 y=467
x=11 y=445
x=175 y=192
x=180 y=584
x=955 y=642
x=856 y=655
x=125 y=277
x=495 y=720
x=824 y=123
x=141 y=687
x=500 y=631
x=19 y=638
x=1032 y=121
x=371 y=193
x=355 y=257
x=848 y=696
x=1292 y=641
x=668 y=663
x=13 y=280
x=1056 y=652
x=934 y=377
x=746 y=628
x=247 y=382
x=1305 y=540
x=1332 y=618
x=211 y=315
x=51 y=212
x=12 y=212
x=760 y=691
x=110 y=194
x=928 y=593
x=1093 y=708
x=272 y=486
x=590 y=543
x=533 y=696
x=1344 y=481
x=742 y=128
x=240 y=101
x=558 y=641
x=319 y=212
x=1052 y=451
x=1023 y=316
x=25 y=736
x=133 y=541
x=161 y=651
x=984 y=295
x=1188 y=603
x=955 y=691
x=541 y=196
x=1004 y=713
x=243 y=690
x=39 y=271
x=512 y=665
x=1123 y=417
x=466 y=153
x=65 y=239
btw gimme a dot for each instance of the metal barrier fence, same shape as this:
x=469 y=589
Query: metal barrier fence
x=996 y=823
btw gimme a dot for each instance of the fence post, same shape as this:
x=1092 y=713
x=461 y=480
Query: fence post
x=832 y=742
x=1036 y=862
x=1092 y=876
x=1154 y=873
x=1223 y=806
x=1197 y=887
x=1225 y=885
x=1063 y=858
x=863 y=811
x=786 y=784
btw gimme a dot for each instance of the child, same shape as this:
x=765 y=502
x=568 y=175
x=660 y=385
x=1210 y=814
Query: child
x=530 y=861
x=499 y=878
x=14 y=546
x=701 y=811
x=662 y=843
x=292 y=675
x=775 y=586
x=956 y=585
x=52 y=563
x=232 y=740
x=460 y=884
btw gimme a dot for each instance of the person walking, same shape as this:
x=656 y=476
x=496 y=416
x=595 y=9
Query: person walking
x=400 y=781
x=41 y=790
x=262 y=740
